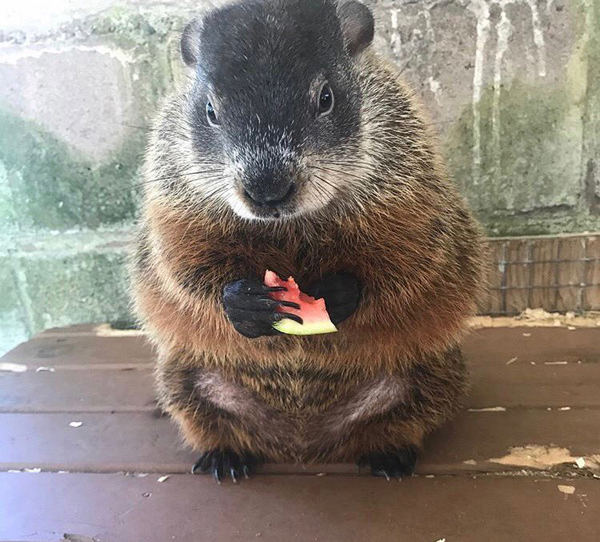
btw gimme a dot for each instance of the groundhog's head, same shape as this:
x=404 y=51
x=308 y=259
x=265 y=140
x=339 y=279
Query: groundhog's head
x=275 y=107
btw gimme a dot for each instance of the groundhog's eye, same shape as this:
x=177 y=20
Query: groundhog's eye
x=326 y=100
x=211 y=115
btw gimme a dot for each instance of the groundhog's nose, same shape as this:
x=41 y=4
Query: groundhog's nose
x=265 y=192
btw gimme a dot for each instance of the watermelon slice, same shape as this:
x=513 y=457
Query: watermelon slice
x=312 y=311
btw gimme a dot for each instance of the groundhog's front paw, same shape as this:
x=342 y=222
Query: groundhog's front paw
x=392 y=464
x=221 y=463
x=341 y=293
x=251 y=309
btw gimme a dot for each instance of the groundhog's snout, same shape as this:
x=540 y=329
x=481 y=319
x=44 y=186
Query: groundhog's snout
x=269 y=188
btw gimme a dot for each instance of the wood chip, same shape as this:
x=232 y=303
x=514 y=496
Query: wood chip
x=580 y=462
x=567 y=490
x=78 y=538
x=13 y=367
x=106 y=330
x=163 y=478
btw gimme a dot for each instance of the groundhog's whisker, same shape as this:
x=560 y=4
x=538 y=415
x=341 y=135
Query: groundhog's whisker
x=348 y=163
x=324 y=181
x=342 y=160
x=321 y=189
x=178 y=175
x=208 y=197
x=321 y=193
x=339 y=172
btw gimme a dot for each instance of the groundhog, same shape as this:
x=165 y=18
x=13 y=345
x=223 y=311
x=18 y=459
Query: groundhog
x=294 y=147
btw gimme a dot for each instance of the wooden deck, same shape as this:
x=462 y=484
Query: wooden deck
x=521 y=463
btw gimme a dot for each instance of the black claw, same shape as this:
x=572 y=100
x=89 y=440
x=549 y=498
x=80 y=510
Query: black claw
x=277 y=289
x=251 y=309
x=282 y=315
x=219 y=462
x=202 y=465
x=393 y=464
x=216 y=467
x=289 y=304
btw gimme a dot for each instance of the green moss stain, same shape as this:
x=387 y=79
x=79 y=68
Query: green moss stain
x=590 y=50
x=89 y=287
x=544 y=177
x=45 y=183
x=13 y=322
x=539 y=154
x=8 y=219
x=52 y=186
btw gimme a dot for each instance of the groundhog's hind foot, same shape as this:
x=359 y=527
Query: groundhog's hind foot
x=221 y=463
x=392 y=464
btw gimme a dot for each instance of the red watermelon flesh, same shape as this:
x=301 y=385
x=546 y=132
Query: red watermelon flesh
x=312 y=311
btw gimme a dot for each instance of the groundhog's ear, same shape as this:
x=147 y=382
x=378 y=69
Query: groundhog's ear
x=358 y=26
x=190 y=42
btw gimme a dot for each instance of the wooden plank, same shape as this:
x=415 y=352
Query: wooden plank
x=521 y=384
x=527 y=379
x=104 y=442
x=117 y=508
x=77 y=391
x=518 y=276
x=571 y=271
x=476 y=441
x=80 y=329
x=140 y=442
x=493 y=301
x=83 y=349
x=544 y=277
x=534 y=367
x=592 y=277
x=540 y=345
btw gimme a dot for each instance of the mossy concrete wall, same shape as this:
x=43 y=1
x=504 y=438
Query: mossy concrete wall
x=512 y=86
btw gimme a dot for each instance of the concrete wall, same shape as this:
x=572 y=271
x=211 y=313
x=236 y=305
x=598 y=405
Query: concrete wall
x=513 y=87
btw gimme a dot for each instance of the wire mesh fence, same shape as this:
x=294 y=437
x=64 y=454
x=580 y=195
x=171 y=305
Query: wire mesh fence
x=557 y=274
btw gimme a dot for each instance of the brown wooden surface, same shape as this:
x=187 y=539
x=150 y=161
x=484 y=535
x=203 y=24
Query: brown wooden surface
x=294 y=508
x=533 y=388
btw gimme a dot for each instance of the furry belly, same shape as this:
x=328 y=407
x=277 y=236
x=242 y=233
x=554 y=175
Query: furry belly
x=302 y=411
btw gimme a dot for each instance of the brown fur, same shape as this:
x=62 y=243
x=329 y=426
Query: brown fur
x=393 y=373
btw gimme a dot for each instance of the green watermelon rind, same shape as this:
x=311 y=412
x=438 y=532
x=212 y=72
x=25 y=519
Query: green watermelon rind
x=290 y=327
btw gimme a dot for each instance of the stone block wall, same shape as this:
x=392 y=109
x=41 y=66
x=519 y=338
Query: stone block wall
x=512 y=86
